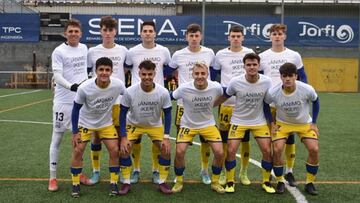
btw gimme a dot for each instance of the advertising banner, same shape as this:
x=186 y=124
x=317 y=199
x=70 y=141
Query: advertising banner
x=16 y=27
x=302 y=31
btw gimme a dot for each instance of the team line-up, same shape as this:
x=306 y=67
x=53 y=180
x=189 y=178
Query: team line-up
x=263 y=95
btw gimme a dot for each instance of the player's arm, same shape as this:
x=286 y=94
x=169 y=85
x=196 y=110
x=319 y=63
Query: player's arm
x=168 y=71
x=171 y=93
x=57 y=66
x=269 y=118
x=124 y=142
x=167 y=126
x=221 y=99
x=127 y=66
x=89 y=72
x=214 y=72
x=302 y=75
x=315 y=113
x=175 y=95
x=60 y=80
x=267 y=113
x=75 y=122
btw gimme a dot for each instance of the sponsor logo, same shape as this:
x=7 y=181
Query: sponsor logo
x=260 y=31
x=342 y=34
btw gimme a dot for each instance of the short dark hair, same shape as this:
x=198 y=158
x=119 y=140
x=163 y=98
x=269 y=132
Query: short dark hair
x=277 y=27
x=151 y=23
x=236 y=28
x=251 y=56
x=104 y=61
x=72 y=22
x=108 y=22
x=192 y=28
x=288 y=69
x=147 y=65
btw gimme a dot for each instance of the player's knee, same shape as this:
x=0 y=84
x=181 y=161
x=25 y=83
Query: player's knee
x=266 y=153
x=231 y=152
x=180 y=152
x=313 y=151
x=77 y=153
x=219 y=154
x=114 y=152
x=291 y=139
x=277 y=151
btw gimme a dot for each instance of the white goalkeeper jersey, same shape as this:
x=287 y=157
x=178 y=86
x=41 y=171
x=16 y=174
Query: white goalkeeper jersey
x=71 y=63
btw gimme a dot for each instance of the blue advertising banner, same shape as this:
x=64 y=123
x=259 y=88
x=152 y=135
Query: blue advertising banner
x=16 y=27
x=170 y=29
x=302 y=31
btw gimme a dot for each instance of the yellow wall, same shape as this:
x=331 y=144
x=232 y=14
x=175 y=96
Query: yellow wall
x=332 y=74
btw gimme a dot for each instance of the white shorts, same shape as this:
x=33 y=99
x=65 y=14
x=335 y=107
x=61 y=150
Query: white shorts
x=62 y=117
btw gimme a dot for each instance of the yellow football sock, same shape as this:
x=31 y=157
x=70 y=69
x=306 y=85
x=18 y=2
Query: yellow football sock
x=205 y=155
x=95 y=160
x=125 y=172
x=136 y=155
x=163 y=172
x=230 y=175
x=290 y=155
x=114 y=177
x=311 y=171
x=179 y=178
x=280 y=178
x=310 y=178
x=266 y=175
x=75 y=179
x=75 y=175
x=215 y=178
x=155 y=154
x=245 y=154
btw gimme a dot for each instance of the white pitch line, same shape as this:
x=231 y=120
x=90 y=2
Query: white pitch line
x=299 y=197
x=19 y=93
x=28 y=122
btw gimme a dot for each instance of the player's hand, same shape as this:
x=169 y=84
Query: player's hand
x=76 y=140
x=273 y=128
x=313 y=127
x=124 y=146
x=166 y=146
x=74 y=87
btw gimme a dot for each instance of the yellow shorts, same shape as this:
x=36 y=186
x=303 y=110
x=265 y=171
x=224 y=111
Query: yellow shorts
x=286 y=129
x=210 y=134
x=135 y=132
x=116 y=114
x=108 y=132
x=237 y=132
x=179 y=113
x=225 y=113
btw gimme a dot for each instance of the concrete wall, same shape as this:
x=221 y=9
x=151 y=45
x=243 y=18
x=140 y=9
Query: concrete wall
x=19 y=56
